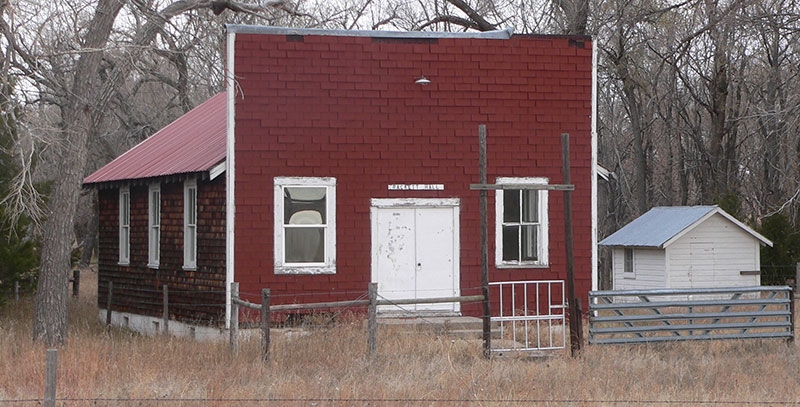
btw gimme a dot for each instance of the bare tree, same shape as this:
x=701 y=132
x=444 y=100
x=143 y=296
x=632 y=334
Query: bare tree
x=79 y=82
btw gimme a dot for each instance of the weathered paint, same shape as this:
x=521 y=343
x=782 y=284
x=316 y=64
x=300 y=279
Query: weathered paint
x=415 y=251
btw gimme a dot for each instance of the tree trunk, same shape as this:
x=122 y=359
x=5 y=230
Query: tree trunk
x=80 y=114
x=50 y=316
x=90 y=241
x=716 y=186
x=576 y=13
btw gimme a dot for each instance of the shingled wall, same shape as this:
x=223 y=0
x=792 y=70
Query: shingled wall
x=195 y=296
x=348 y=107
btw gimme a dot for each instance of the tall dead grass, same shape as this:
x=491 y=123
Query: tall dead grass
x=330 y=366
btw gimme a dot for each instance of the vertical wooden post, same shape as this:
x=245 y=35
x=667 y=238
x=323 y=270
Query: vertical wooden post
x=50 y=377
x=372 y=321
x=76 y=282
x=16 y=291
x=234 y=331
x=575 y=334
x=165 y=315
x=265 y=317
x=108 y=303
x=484 y=219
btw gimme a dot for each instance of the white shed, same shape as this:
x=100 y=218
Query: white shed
x=676 y=247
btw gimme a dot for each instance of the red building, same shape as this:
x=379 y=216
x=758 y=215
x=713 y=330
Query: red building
x=350 y=156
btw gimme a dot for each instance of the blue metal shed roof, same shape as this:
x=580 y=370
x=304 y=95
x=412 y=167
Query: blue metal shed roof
x=661 y=224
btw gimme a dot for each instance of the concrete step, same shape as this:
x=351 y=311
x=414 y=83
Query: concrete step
x=456 y=326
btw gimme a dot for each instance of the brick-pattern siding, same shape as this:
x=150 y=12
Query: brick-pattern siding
x=348 y=107
x=194 y=295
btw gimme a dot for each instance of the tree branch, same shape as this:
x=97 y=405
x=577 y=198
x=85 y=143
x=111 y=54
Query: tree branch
x=480 y=22
x=450 y=19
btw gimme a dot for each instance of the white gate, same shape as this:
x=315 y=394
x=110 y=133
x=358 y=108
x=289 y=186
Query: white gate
x=531 y=317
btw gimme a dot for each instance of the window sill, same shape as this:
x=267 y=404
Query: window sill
x=522 y=266
x=124 y=264
x=189 y=268
x=153 y=266
x=291 y=270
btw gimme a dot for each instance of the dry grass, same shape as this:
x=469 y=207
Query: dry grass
x=331 y=367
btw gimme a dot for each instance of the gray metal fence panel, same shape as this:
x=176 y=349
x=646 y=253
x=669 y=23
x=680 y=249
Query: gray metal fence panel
x=642 y=316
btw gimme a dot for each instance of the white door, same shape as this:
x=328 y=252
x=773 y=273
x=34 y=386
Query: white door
x=415 y=250
x=701 y=265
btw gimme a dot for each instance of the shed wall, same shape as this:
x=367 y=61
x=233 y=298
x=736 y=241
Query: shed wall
x=649 y=269
x=712 y=255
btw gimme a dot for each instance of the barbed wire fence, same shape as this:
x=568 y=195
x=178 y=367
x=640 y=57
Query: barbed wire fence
x=382 y=402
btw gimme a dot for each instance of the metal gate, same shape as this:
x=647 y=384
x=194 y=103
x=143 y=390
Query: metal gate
x=531 y=315
x=643 y=316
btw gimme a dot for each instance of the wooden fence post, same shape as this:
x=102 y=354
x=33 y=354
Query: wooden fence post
x=234 y=331
x=576 y=335
x=165 y=315
x=265 y=317
x=484 y=236
x=108 y=303
x=16 y=291
x=76 y=282
x=50 y=377
x=372 y=322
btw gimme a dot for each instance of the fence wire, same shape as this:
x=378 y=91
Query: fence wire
x=382 y=402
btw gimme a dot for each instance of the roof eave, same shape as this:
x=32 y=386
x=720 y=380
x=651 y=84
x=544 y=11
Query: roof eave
x=502 y=34
x=209 y=174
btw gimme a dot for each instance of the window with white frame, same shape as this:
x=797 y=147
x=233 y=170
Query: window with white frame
x=521 y=227
x=190 y=224
x=305 y=225
x=154 y=225
x=627 y=266
x=124 y=225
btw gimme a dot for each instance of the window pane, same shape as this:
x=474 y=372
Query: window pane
x=303 y=199
x=192 y=204
x=155 y=204
x=124 y=244
x=191 y=243
x=126 y=206
x=530 y=206
x=511 y=205
x=155 y=244
x=530 y=243
x=510 y=243
x=628 y=264
x=305 y=245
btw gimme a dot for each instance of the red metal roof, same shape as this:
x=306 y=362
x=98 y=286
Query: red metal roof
x=195 y=142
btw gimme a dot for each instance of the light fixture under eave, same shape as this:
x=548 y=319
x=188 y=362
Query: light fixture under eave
x=422 y=81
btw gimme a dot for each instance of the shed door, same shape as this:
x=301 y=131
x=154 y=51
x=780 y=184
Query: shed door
x=701 y=265
x=415 y=252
